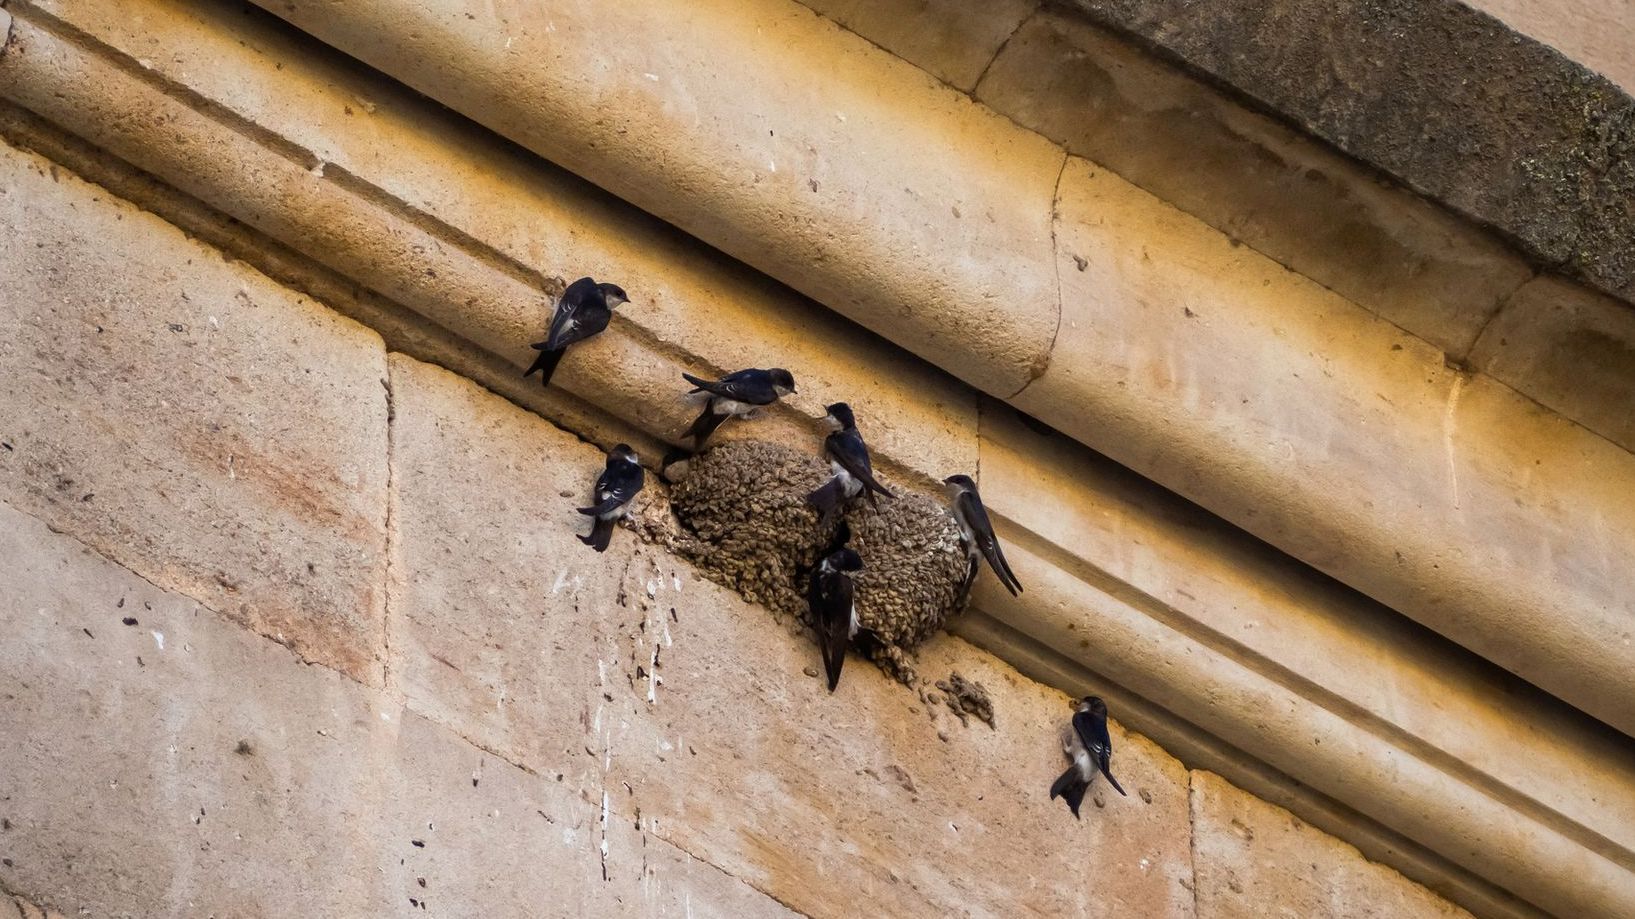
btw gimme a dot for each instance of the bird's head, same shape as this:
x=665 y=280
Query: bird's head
x=624 y=452
x=1093 y=705
x=613 y=294
x=846 y=560
x=840 y=416
x=954 y=485
x=782 y=381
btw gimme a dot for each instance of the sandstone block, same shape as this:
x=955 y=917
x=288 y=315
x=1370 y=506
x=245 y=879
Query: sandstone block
x=1252 y=178
x=933 y=229
x=213 y=431
x=391 y=159
x=1570 y=348
x=953 y=41
x=1255 y=860
x=1344 y=442
x=691 y=711
x=185 y=766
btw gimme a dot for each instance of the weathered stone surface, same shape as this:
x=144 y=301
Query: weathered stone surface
x=933 y=228
x=18 y=908
x=1348 y=444
x=512 y=652
x=1571 y=349
x=1255 y=860
x=1253 y=178
x=184 y=766
x=1447 y=99
x=952 y=40
x=189 y=418
x=507 y=214
x=1596 y=33
x=1283 y=620
x=1129 y=640
x=702 y=719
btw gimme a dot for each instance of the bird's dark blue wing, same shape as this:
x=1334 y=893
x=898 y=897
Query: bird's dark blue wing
x=620 y=481
x=976 y=517
x=751 y=386
x=831 y=600
x=1092 y=733
x=581 y=313
x=847 y=449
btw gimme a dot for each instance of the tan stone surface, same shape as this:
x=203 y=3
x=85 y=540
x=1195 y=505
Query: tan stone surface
x=506 y=214
x=724 y=745
x=211 y=772
x=1571 y=349
x=1348 y=444
x=1287 y=622
x=952 y=40
x=1130 y=641
x=933 y=228
x=1253 y=179
x=1255 y=860
x=191 y=419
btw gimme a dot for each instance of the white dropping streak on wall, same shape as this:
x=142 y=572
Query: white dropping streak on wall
x=604 y=825
x=561 y=582
x=1449 y=427
x=159 y=639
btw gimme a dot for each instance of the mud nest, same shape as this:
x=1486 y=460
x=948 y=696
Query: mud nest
x=744 y=520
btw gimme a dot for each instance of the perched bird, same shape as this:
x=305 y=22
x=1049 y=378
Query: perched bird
x=978 y=532
x=617 y=484
x=849 y=460
x=735 y=394
x=583 y=311
x=1086 y=743
x=834 y=611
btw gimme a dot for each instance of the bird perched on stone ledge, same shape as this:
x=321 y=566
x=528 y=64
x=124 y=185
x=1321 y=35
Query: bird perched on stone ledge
x=584 y=311
x=736 y=394
x=834 y=609
x=1086 y=743
x=974 y=525
x=849 y=460
x=615 y=487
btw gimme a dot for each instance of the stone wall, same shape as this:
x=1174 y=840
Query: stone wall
x=1317 y=481
x=297 y=625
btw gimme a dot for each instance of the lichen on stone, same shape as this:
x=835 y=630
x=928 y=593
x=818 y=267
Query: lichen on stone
x=744 y=520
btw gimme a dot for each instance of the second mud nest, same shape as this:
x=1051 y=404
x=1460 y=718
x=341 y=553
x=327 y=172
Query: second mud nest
x=745 y=521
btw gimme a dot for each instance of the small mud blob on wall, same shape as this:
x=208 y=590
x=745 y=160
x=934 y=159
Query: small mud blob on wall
x=966 y=698
x=745 y=521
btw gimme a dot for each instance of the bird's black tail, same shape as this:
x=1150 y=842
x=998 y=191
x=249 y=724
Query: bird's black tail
x=1002 y=568
x=872 y=488
x=601 y=533
x=545 y=362
x=1114 y=782
x=1070 y=788
x=699 y=384
x=827 y=498
x=834 y=658
x=706 y=424
x=600 y=509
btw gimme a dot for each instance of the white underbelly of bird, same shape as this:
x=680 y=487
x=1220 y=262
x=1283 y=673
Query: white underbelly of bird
x=732 y=407
x=850 y=487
